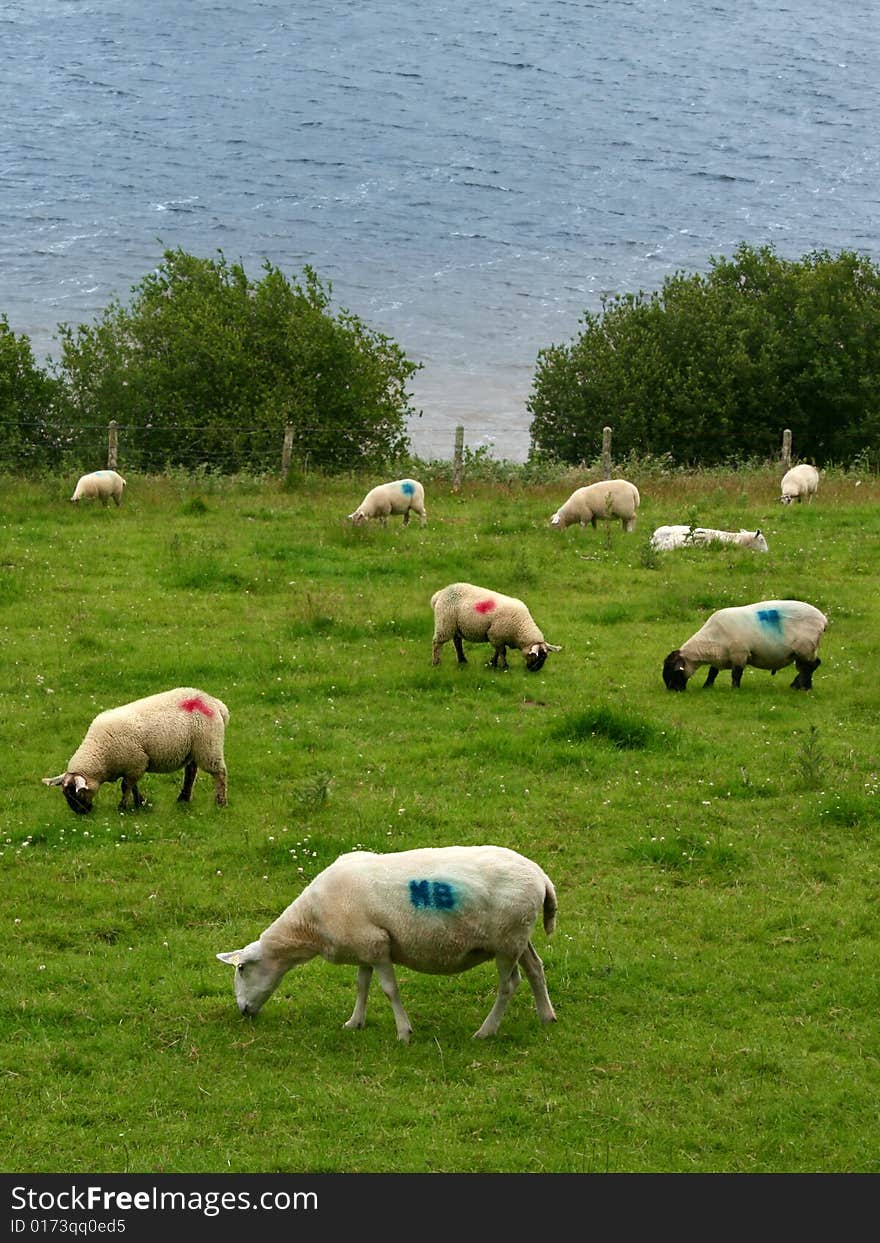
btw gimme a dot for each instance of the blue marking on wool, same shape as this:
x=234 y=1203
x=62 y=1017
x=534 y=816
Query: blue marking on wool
x=771 y=619
x=408 y=488
x=437 y=895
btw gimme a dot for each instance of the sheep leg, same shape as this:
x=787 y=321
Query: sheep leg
x=359 y=1013
x=189 y=777
x=508 y=979
x=388 y=980
x=459 y=649
x=534 y=969
x=406 y=518
x=736 y=675
x=500 y=655
x=220 y=787
x=805 y=670
x=129 y=786
x=710 y=677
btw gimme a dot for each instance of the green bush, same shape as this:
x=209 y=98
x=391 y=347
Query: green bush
x=713 y=367
x=207 y=366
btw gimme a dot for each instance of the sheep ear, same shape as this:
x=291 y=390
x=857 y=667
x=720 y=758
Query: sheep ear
x=54 y=781
x=553 y=647
x=234 y=958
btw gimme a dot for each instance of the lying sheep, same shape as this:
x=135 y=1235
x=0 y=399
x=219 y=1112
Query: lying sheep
x=667 y=538
x=612 y=498
x=799 y=484
x=463 y=611
x=103 y=484
x=767 y=635
x=183 y=728
x=437 y=910
x=399 y=497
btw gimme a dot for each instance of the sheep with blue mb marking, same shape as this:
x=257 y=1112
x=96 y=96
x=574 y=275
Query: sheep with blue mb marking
x=438 y=910
x=401 y=496
x=768 y=635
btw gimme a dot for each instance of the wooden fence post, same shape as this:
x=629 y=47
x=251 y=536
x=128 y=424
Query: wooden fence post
x=606 y=452
x=286 y=450
x=457 y=458
x=112 y=444
x=786 y=449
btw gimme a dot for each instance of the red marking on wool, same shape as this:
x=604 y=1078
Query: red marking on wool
x=484 y=606
x=196 y=705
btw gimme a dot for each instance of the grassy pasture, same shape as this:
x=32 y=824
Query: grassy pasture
x=715 y=854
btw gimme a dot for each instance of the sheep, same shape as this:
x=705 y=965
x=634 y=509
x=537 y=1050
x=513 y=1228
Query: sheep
x=666 y=538
x=767 y=635
x=799 y=484
x=399 y=497
x=612 y=498
x=437 y=910
x=182 y=728
x=102 y=484
x=463 y=611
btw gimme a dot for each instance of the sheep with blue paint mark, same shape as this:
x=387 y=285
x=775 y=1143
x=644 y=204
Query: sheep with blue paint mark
x=182 y=728
x=768 y=635
x=437 y=910
x=105 y=485
x=401 y=496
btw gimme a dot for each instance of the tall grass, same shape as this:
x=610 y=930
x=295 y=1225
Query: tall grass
x=715 y=853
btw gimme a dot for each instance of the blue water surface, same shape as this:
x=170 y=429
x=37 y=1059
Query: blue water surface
x=470 y=178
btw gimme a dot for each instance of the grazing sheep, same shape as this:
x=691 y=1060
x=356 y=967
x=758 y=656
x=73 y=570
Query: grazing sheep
x=438 y=910
x=398 y=497
x=799 y=484
x=767 y=635
x=102 y=484
x=183 y=728
x=463 y=611
x=666 y=538
x=612 y=498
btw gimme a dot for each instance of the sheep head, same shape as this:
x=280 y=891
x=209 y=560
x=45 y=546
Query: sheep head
x=537 y=654
x=76 y=789
x=675 y=671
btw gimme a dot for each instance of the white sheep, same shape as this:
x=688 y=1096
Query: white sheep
x=438 y=910
x=183 y=728
x=768 y=635
x=103 y=484
x=609 y=499
x=399 y=497
x=799 y=484
x=463 y=611
x=669 y=537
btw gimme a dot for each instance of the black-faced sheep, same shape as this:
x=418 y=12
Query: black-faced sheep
x=437 y=910
x=182 y=728
x=768 y=635
x=609 y=499
x=464 y=611
x=103 y=484
x=402 y=496
x=799 y=484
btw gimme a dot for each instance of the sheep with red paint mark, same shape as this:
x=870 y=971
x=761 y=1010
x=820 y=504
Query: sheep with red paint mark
x=401 y=496
x=182 y=728
x=463 y=611
x=438 y=910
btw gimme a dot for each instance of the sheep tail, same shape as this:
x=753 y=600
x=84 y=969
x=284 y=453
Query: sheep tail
x=550 y=908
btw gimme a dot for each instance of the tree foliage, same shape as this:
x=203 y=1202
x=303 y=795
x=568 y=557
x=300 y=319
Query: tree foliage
x=207 y=366
x=713 y=367
x=27 y=397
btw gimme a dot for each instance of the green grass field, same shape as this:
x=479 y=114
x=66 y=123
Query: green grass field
x=715 y=854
